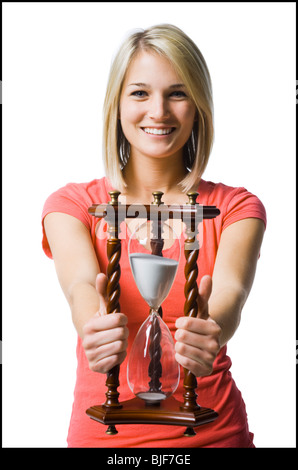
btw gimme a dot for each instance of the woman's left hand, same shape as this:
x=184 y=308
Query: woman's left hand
x=197 y=339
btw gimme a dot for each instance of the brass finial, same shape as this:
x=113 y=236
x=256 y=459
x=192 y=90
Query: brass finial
x=111 y=430
x=192 y=197
x=157 y=195
x=114 y=197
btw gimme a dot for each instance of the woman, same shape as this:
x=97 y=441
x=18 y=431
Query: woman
x=158 y=132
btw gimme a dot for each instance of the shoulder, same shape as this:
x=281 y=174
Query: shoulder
x=223 y=194
x=78 y=195
x=76 y=198
x=218 y=191
x=235 y=203
x=95 y=190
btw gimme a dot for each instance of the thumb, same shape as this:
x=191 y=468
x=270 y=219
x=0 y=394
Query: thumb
x=205 y=289
x=101 y=287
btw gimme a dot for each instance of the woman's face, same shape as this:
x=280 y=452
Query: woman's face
x=156 y=111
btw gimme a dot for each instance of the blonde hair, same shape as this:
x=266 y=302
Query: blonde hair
x=172 y=43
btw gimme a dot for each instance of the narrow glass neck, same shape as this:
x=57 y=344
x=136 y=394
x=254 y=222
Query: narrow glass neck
x=154 y=311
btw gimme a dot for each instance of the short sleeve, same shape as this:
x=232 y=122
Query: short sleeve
x=72 y=199
x=242 y=205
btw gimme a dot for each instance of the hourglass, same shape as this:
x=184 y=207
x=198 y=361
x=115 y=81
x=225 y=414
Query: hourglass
x=154 y=253
x=152 y=372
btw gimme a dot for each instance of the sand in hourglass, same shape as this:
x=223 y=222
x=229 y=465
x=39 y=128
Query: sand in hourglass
x=154 y=276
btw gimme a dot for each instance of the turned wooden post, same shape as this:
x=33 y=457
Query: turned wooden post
x=191 y=252
x=113 y=295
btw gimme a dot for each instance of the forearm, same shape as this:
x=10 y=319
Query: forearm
x=234 y=273
x=84 y=302
x=225 y=307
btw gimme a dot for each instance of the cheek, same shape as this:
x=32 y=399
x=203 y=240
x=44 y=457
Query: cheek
x=130 y=117
x=130 y=113
x=187 y=116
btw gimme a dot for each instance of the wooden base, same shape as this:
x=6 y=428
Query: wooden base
x=135 y=411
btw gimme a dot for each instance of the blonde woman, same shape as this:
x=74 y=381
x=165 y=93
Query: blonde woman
x=158 y=132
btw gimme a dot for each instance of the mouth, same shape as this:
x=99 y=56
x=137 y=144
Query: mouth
x=158 y=131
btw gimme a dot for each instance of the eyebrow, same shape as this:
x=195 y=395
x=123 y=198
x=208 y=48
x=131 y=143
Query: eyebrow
x=175 y=85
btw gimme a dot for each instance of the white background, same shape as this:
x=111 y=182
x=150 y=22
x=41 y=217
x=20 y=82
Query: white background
x=56 y=58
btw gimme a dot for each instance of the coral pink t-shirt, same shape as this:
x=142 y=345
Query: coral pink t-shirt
x=217 y=391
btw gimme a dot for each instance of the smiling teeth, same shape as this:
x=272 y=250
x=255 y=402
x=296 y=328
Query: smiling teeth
x=151 y=130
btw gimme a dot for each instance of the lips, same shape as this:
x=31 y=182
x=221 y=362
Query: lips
x=158 y=131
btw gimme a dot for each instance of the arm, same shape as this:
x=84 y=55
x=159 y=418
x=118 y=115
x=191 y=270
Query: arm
x=221 y=299
x=234 y=273
x=104 y=336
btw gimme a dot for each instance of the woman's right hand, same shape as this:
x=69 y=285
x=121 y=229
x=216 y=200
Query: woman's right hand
x=105 y=336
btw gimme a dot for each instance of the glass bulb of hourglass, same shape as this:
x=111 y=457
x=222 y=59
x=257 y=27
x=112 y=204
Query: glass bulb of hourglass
x=154 y=276
x=153 y=373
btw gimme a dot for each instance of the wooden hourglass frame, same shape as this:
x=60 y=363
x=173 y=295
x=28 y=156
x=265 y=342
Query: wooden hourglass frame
x=169 y=411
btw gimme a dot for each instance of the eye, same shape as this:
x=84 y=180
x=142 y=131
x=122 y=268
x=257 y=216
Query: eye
x=139 y=93
x=178 y=94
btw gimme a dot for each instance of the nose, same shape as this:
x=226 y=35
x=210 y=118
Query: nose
x=158 y=108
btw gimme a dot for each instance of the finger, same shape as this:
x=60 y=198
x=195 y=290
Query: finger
x=203 y=345
x=105 y=350
x=105 y=322
x=191 y=338
x=198 y=326
x=106 y=364
x=101 y=338
x=197 y=368
x=194 y=353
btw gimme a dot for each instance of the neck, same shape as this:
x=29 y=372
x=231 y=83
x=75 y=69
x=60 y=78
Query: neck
x=145 y=175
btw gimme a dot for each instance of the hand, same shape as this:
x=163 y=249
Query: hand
x=105 y=336
x=198 y=338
